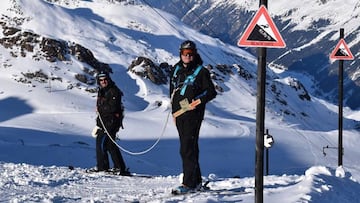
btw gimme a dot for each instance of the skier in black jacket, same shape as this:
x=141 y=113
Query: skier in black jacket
x=190 y=89
x=109 y=120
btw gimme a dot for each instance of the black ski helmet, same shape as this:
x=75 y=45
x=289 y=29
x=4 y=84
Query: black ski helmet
x=188 y=44
x=102 y=74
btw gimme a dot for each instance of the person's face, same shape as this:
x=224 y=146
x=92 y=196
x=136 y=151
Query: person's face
x=103 y=82
x=187 y=55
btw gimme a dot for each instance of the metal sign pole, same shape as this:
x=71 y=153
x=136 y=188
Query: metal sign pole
x=341 y=76
x=260 y=121
x=260 y=117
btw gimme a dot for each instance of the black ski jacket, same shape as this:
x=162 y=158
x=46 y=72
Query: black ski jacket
x=110 y=108
x=202 y=88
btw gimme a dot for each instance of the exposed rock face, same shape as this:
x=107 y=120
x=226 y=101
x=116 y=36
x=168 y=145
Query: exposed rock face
x=23 y=43
x=145 y=68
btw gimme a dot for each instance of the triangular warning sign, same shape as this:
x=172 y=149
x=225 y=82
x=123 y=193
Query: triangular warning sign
x=262 y=32
x=341 y=52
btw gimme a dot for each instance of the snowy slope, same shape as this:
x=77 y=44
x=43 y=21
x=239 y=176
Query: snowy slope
x=45 y=127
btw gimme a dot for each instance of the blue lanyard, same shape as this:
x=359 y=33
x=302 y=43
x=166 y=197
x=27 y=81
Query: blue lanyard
x=189 y=79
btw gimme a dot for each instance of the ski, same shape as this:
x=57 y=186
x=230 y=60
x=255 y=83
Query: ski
x=114 y=173
x=206 y=189
x=233 y=191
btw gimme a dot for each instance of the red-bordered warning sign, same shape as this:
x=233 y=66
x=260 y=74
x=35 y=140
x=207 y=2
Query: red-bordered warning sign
x=262 y=32
x=341 y=52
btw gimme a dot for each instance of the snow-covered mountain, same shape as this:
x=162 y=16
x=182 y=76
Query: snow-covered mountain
x=50 y=51
x=309 y=28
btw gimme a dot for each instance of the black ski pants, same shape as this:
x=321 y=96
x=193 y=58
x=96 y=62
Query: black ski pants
x=104 y=145
x=188 y=130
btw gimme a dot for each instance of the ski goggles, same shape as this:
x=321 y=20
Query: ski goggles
x=187 y=52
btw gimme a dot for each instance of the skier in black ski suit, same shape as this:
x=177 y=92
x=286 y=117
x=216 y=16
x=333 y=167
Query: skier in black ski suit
x=190 y=82
x=109 y=120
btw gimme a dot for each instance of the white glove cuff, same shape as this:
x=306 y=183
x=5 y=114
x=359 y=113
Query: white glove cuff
x=94 y=131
